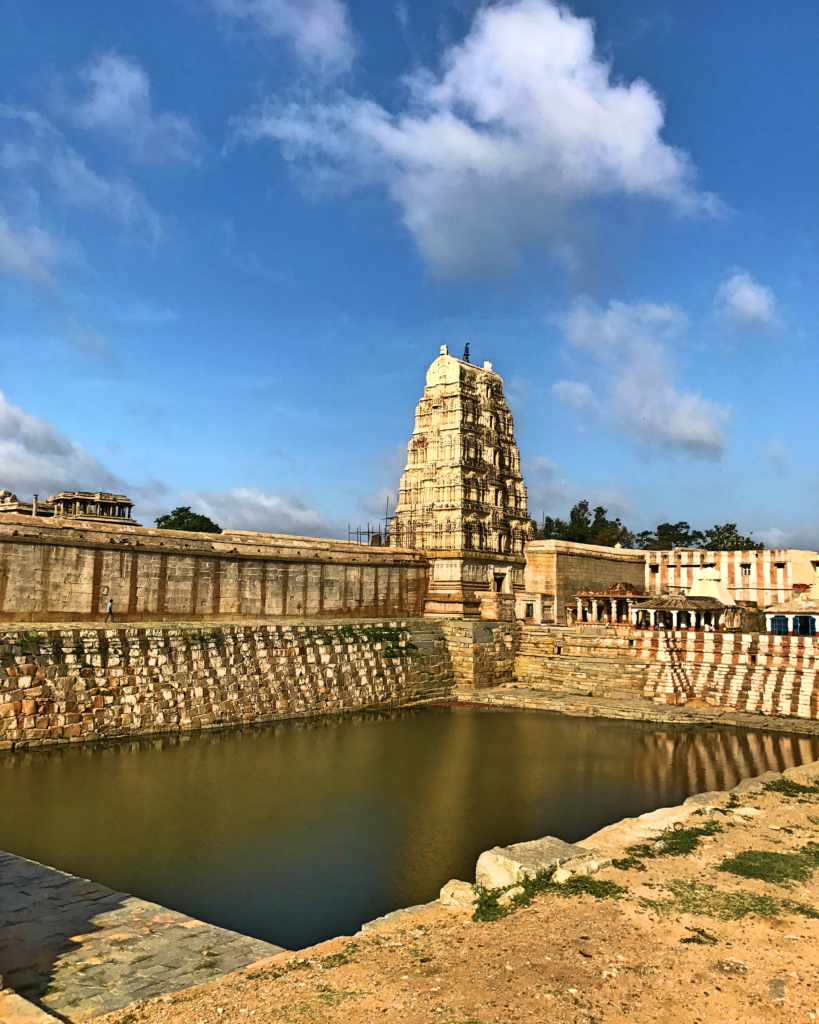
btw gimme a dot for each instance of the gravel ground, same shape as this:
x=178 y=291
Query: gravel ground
x=685 y=942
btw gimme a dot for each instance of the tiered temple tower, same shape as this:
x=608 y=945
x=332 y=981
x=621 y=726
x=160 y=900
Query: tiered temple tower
x=462 y=498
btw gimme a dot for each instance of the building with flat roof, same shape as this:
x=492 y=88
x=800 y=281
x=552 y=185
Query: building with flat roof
x=86 y=506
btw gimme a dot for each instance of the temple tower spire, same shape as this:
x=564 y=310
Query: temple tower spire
x=462 y=497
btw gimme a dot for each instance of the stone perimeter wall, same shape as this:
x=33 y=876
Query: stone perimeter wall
x=75 y=685
x=772 y=675
x=54 y=570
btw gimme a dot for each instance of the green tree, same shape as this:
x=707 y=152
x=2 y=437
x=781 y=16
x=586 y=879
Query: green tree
x=585 y=527
x=183 y=519
x=680 y=535
x=728 y=538
x=670 y=535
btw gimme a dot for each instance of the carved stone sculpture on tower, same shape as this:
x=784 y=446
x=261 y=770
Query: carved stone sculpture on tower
x=462 y=498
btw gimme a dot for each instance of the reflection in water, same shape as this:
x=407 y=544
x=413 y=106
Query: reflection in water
x=297 y=831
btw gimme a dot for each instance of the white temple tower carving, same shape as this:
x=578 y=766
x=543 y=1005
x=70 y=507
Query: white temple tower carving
x=462 y=498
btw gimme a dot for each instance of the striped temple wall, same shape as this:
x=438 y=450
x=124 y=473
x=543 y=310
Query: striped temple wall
x=753 y=672
x=761 y=577
x=772 y=675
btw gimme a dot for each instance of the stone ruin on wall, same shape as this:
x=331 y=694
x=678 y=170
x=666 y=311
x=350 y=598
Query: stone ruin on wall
x=462 y=498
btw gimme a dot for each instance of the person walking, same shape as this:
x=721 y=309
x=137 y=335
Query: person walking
x=110 y=611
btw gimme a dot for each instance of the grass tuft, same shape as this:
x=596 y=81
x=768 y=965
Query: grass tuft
x=788 y=788
x=671 y=843
x=704 y=900
x=778 y=868
x=487 y=907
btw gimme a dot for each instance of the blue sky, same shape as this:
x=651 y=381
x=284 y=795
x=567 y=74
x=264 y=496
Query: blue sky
x=233 y=234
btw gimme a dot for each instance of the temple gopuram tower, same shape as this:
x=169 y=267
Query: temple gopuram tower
x=462 y=498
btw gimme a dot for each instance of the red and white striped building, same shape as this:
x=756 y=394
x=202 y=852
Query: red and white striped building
x=761 y=577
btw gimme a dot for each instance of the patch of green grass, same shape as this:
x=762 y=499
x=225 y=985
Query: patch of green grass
x=704 y=900
x=333 y=996
x=788 y=788
x=685 y=840
x=778 y=868
x=813 y=819
x=733 y=803
x=487 y=907
x=670 y=843
x=339 y=959
x=634 y=857
x=601 y=889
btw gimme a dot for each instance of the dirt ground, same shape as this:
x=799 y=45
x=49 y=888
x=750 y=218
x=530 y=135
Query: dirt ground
x=684 y=943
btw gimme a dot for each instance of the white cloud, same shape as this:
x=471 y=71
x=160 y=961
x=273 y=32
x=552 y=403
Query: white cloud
x=774 y=537
x=744 y=302
x=551 y=492
x=34 y=148
x=117 y=198
x=31 y=252
x=574 y=393
x=629 y=348
x=35 y=457
x=119 y=103
x=319 y=30
x=244 y=508
x=524 y=121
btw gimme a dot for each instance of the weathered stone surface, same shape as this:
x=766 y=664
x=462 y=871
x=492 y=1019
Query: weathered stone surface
x=502 y=866
x=457 y=894
x=107 y=683
x=716 y=798
x=81 y=949
x=506 y=899
x=395 y=915
x=805 y=774
x=755 y=785
x=16 y=1010
x=62 y=570
x=580 y=866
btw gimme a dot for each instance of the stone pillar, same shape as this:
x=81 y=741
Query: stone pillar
x=675 y=618
x=594 y=609
x=790 y=619
x=769 y=623
x=652 y=618
x=580 y=609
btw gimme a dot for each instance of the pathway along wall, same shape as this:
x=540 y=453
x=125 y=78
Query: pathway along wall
x=57 y=570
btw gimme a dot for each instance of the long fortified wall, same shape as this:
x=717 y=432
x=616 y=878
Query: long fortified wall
x=75 y=685
x=59 y=570
x=771 y=675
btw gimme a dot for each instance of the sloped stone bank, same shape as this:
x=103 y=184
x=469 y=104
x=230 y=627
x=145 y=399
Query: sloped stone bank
x=748 y=672
x=73 y=685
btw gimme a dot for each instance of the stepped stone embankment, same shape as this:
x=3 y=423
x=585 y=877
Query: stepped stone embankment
x=750 y=672
x=70 y=685
x=74 y=685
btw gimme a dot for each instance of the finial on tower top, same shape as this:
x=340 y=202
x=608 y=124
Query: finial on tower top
x=466 y=353
x=487 y=366
x=444 y=350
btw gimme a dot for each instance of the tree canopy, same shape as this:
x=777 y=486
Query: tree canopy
x=586 y=527
x=183 y=519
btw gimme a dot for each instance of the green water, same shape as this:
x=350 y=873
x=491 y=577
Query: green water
x=300 y=831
